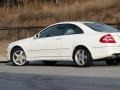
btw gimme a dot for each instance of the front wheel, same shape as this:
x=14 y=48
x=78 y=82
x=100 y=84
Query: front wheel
x=82 y=57
x=18 y=57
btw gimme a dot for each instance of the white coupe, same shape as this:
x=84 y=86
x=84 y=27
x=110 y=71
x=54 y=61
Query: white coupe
x=80 y=42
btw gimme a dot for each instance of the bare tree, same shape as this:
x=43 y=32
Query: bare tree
x=55 y=1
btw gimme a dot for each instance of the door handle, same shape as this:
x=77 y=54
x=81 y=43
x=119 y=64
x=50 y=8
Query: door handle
x=58 y=38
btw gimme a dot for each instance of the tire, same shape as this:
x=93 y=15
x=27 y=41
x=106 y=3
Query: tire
x=113 y=62
x=51 y=63
x=82 y=57
x=18 y=57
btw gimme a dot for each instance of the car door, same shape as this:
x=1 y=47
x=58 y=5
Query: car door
x=49 y=43
x=69 y=39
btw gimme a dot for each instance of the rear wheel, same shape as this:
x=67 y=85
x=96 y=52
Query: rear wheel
x=82 y=57
x=50 y=62
x=18 y=57
x=113 y=62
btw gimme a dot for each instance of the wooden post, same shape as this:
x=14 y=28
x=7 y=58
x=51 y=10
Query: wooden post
x=56 y=1
x=18 y=34
x=118 y=26
x=43 y=1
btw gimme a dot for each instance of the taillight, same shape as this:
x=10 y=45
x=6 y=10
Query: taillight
x=107 y=39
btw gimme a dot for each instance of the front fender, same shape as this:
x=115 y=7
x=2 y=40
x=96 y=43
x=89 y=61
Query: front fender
x=24 y=46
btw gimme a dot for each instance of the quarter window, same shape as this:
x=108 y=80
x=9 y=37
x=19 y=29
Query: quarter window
x=101 y=27
x=72 y=29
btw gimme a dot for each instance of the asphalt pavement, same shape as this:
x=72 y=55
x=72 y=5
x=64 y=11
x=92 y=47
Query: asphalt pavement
x=62 y=76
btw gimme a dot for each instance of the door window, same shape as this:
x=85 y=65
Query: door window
x=56 y=30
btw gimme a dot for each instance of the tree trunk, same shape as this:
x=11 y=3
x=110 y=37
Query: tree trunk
x=55 y=1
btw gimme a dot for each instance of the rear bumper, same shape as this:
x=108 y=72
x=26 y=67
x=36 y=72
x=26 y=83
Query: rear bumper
x=105 y=52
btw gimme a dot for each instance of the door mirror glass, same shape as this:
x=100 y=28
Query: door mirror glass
x=36 y=36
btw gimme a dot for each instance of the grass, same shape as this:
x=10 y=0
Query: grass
x=38 y=14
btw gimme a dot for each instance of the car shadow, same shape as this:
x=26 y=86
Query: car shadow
x=40 y=63
x=62 y=64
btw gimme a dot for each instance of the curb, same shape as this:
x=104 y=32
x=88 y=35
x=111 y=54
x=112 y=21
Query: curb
x=4 y=61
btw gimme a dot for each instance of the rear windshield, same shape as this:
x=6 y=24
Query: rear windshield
x=102 y=27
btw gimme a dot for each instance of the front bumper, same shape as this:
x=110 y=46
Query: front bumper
x=8 y=54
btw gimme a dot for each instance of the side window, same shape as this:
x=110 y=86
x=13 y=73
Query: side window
x=72 y=29
x=56 y=30
x=45 y=33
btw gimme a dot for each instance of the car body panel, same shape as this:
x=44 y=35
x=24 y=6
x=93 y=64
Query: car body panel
x=45 y=47
x=62 y=47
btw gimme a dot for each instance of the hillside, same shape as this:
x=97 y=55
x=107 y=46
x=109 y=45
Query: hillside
x=44 y=14
x=33 y=13
x=36 y=13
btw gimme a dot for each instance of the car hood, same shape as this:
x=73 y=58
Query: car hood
x=21 y=42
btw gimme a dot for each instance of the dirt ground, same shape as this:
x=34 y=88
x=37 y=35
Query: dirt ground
x=3 y=46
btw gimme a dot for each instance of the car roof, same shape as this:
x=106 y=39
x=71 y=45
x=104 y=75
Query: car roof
x=75 y=22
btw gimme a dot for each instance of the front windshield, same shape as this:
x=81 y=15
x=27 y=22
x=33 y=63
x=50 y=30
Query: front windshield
x=102 y=27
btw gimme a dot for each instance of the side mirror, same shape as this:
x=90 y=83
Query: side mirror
x=36 y=36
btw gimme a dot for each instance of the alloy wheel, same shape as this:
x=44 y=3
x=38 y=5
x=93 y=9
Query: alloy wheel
x=19 y=57
x=81 y=57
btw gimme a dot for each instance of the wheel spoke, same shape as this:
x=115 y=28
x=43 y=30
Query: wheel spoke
x=17 y=60
x=21 y=53
x=21 y=61
x=23 y=57
x=83 y=60
x=17 y=55
x=78 y=54
x=83 y=53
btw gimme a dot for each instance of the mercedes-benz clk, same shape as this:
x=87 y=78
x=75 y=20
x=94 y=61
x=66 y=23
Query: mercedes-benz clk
x=80 y=42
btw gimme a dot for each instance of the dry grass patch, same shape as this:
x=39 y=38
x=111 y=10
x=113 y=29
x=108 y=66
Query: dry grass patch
x=3 y=46
x=39 y=14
